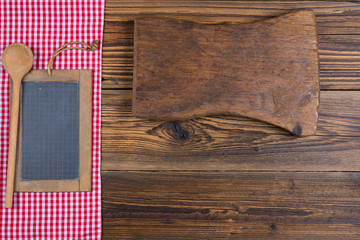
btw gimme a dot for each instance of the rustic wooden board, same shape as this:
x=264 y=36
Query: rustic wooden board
x=337 y=23
x=230 y=205
x=267 y=70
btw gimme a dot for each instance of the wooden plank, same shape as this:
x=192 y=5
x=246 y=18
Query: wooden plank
x=230 y=205
x=248 y=10
x=117 y=58
x=327 y=24
x=339 y=114
x=339 y=60
x=339 y=56
x=227 y=143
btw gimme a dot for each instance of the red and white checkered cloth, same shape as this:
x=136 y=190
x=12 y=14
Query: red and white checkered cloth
x=45 y=25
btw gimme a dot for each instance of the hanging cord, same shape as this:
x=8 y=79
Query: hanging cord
x=89 y=48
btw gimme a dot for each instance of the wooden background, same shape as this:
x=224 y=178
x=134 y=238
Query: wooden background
x=227 y=177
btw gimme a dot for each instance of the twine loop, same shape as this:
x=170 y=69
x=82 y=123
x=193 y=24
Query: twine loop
x=89 y=48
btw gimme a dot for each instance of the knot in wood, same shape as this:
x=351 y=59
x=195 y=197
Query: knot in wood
x=179 y=130
x=176 y=132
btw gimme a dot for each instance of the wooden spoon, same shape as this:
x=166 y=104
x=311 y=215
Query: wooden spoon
x=17 y=60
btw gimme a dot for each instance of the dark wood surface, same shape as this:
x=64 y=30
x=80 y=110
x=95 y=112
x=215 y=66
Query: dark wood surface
x=267 y=70
x=230 y=177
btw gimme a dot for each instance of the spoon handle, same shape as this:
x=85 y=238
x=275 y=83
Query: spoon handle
x=14 y=123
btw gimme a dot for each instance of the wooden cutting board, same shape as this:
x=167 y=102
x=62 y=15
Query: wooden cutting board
x=267 y=70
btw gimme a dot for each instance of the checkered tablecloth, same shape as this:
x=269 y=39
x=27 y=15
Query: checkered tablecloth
x=44 y=26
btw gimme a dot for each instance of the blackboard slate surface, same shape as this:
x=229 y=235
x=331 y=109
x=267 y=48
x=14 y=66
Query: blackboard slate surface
x=50 y=130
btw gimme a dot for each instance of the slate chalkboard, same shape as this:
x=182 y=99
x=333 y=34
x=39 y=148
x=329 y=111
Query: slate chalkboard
x=54 y=148
x=50 y=130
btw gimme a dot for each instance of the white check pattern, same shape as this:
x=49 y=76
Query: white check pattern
x=44 y=26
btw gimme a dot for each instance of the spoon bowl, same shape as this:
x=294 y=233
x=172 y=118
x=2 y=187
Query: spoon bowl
x=17 y=59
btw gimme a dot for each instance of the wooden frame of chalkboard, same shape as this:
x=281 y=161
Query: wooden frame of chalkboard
x=83 y=183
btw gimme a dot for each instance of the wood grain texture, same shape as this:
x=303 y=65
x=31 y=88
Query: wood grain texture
x=221 y=187
x=337 y=23
x=85 y=129
x=230 y=205
x=227 y=143
x=268 y=70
